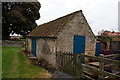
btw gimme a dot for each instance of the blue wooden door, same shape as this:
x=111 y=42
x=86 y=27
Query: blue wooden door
x=98 y=49
x=34 y=46
x=79 y=45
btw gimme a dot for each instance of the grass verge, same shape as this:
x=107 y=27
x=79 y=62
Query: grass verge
x=16 y=65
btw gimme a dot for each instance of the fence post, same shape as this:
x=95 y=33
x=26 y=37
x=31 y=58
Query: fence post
x=57 y=60
x=79 y=66
x=101 y=67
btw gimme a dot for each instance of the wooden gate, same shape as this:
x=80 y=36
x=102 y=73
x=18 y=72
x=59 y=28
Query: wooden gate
x=65 y=63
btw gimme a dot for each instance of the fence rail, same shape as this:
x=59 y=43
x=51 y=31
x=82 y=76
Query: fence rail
x=72 y=64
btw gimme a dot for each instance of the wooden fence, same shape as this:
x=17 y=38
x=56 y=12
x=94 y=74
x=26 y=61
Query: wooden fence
x=72 y=64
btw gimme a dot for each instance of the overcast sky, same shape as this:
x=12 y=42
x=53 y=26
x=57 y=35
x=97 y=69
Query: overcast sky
x=100 y=14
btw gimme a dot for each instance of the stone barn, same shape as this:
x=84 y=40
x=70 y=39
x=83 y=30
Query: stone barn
x=70 y=33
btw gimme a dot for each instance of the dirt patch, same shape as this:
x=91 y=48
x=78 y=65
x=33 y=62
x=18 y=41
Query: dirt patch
x=46 y=75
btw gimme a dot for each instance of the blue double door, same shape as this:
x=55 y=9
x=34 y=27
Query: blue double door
x=79 y=45
x=34 y=46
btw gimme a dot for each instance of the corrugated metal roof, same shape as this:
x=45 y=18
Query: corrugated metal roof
x=52 y=28
x=114 y=33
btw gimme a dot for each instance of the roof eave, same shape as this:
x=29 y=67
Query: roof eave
x=41 y=37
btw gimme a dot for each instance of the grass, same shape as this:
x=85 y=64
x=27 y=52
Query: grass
x=16 y=65
x=0 y=61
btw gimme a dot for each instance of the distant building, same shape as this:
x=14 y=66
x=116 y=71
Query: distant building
x=114 y=33
x=15 y=37
x=115 y=41
x=112 y=42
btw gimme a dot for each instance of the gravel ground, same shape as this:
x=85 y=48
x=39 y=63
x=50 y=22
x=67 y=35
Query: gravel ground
x=58 y=74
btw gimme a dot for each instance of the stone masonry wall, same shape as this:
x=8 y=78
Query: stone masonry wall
x=78 y=26
x=28 y=44
x=45 y=48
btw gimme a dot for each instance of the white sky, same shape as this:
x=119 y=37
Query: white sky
x=100 y=14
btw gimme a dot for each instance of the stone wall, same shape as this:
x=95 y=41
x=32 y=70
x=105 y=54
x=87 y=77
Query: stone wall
x=13 y=43
x=46 y=48
x=28 y=45
x=77 y=26
x=115 y=46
